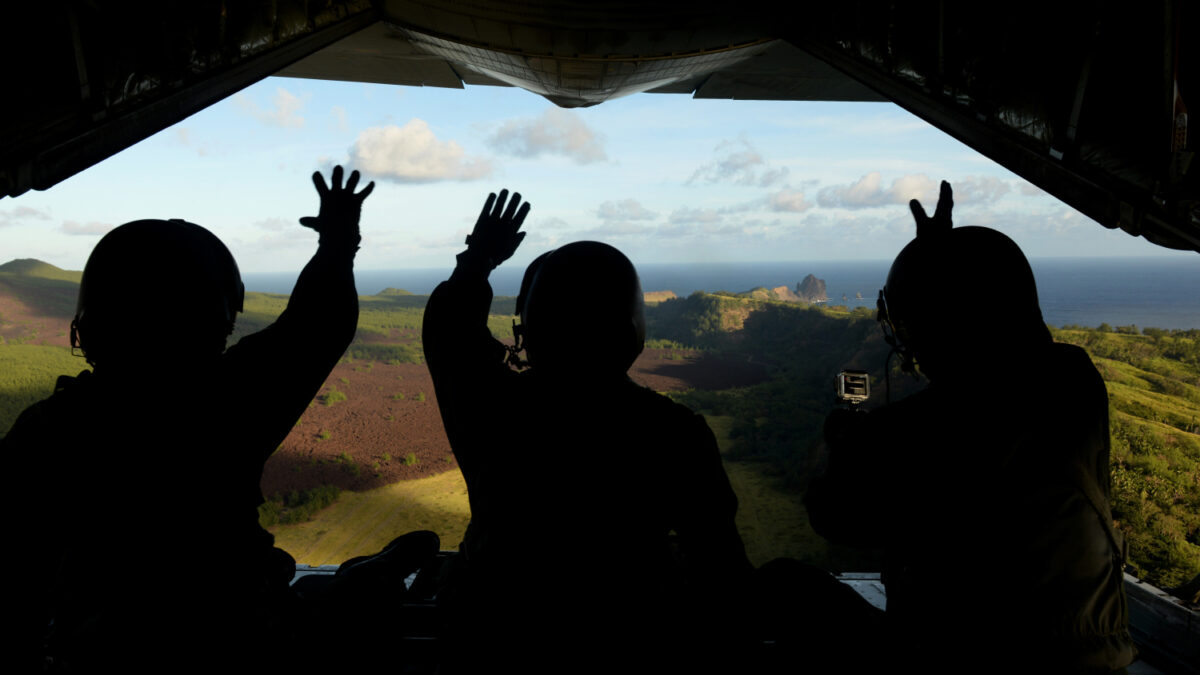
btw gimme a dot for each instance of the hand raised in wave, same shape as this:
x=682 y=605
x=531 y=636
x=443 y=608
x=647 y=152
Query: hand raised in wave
x=940 y=222
x=337 y=221
x=496 y=237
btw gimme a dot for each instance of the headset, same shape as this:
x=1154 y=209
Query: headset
x=895 y=335
x=514 y=352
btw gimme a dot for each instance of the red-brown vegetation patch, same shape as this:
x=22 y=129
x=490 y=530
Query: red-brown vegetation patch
x=370 y=439
x=382 y=432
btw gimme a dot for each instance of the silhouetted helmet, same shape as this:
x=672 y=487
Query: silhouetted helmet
x=157 y=285
x=959 y=290
x=581 y=307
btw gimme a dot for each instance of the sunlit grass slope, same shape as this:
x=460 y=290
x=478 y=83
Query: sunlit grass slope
x=770 y=519
x=364 y=522
x=1153 y=384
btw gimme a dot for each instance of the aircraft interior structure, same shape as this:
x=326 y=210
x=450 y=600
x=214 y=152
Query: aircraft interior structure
x=1086 y=100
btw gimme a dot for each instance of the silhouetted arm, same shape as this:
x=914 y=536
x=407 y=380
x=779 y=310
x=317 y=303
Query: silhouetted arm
x=709 y=541
x=848 y=503
x=285 y=364
x=464 y=359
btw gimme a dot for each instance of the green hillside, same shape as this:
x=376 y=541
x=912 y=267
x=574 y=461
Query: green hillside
x=27 y=375
x=41 y=288
x=1154 y=396
x=1153 y=380
x=389 y=330
x=28 y=267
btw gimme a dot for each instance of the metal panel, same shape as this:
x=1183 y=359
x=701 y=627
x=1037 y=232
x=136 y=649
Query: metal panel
x=784 y=73
x=136 y=69
x=1074 y=97
x=379 y=55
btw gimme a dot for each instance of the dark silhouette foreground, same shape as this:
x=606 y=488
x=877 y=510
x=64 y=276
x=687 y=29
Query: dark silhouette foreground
x=989 y=489
x=574 y=567
x=118 y=575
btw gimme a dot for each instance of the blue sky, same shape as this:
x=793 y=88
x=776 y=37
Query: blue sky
x=663 y=177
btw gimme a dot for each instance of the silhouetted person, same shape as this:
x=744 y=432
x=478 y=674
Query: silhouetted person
x=138 y=543
x=988 y=490
x=577 y=476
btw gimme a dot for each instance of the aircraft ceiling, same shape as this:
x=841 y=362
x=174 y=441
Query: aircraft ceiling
x=1085 y=100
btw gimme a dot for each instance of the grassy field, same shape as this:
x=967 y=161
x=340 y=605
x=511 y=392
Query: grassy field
x=362 y=523
x=772 y=521
x=27 y=375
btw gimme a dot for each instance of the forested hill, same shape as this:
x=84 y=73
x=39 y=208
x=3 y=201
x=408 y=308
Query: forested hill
x=1152 y=375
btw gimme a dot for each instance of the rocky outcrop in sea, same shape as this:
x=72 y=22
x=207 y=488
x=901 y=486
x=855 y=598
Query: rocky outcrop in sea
x=811 y=289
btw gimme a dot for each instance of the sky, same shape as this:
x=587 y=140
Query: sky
x=665 y=178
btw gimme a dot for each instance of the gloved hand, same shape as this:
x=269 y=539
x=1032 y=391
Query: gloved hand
x=940 y=222
x=337 y=221
x=495 y=237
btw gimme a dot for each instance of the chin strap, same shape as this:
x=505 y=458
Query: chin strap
x=907 y=365
x=76 y=350
x=514 y=352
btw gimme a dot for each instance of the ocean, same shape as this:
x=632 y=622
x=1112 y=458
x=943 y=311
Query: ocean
x=1146 y=292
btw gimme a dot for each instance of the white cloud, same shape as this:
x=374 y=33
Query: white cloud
x=616 y=229
x=626 y=209
x=789 y=200
x=552 y=223
x=711 y=229
x=21 y=213
x=886 y=235
x=413 y=154
x=979 y=189
x=685 y=215
x=556 y=132
x=1055 y=222
x=740 y=163
x=73 y=227
x=773 y=176
x=868 y=192
x=753 y=205
x=274 y=242
x=282 y=113
x=1031 y=190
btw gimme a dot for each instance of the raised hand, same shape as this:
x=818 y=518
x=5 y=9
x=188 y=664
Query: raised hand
x=496 y=237
x=940 y=222
x=337 y=221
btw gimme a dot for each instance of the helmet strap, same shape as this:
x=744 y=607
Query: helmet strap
x=76 y=350
x=514 y=352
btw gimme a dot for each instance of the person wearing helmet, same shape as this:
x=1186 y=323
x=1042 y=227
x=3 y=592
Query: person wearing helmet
x=145 y=468
x=987 y=490
x=576 y=475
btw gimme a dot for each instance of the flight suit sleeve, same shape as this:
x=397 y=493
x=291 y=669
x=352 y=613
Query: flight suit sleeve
x=277 y=371
x=848 y=503
x=466 y=362
x=709 y=542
